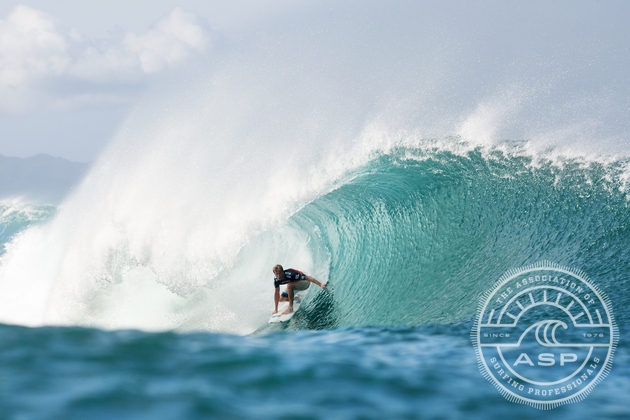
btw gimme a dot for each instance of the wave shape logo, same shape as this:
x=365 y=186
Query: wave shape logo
x=545 y=335
x=548 y=335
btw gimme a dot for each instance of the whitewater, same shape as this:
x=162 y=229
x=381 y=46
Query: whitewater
x=398 y=161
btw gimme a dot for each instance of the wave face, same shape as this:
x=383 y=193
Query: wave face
x=362 y=144
x=411 y=237
x=417 y=237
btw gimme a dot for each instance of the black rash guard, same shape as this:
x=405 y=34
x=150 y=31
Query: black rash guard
x=290 y=276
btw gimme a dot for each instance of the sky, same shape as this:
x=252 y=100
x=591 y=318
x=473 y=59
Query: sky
x=70 y=70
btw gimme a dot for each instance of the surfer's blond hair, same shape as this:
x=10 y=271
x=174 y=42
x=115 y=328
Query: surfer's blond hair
x=277 y=269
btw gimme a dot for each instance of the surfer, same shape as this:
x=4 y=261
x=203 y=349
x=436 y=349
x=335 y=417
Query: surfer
x=295 y=281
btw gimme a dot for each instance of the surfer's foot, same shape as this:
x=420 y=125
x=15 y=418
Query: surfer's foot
x=324 y=284
x=288 y=311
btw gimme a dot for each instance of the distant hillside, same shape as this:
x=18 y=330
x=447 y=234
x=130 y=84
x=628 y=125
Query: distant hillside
x=40 y=178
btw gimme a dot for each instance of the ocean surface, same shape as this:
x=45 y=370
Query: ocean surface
x=347 y=372
x=409 y=154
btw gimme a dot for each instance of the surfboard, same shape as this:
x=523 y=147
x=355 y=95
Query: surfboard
x=282 y=306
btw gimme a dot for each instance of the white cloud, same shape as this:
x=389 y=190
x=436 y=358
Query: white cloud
x=172 y=40
x=36 y=52
x=30 y=46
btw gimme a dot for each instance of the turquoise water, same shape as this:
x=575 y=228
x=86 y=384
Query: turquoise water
x=418 y=237
x=410 y=242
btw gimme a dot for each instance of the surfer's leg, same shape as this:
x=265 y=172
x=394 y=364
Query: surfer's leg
x=300 y=285
x=295 y=285
x=290 y=292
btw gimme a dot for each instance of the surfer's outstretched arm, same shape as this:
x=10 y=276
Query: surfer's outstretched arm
x=314 y=280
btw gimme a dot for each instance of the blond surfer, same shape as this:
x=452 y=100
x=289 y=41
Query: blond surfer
x=295 y=281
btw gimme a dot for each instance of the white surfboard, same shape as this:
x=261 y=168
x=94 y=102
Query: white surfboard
x=282 y=306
